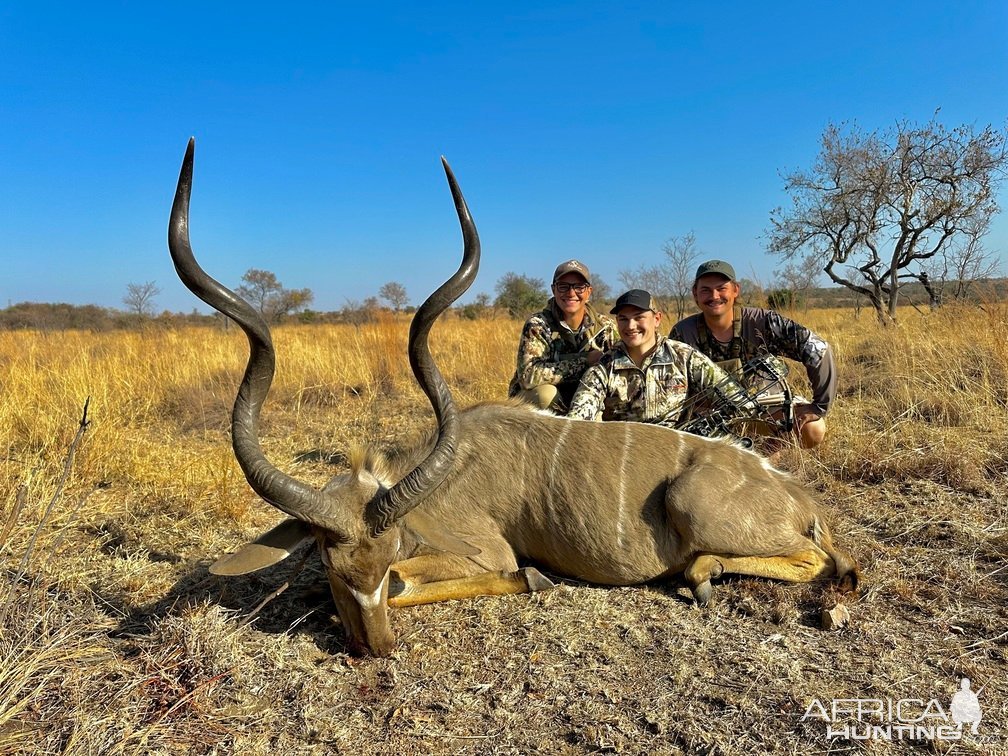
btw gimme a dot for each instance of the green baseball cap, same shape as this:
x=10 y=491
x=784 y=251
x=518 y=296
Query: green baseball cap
x=714 y=266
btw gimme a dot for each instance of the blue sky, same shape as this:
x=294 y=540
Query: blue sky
x=594 y=130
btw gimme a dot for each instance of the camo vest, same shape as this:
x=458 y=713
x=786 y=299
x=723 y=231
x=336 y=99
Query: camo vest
x=757 y=332
x=550 y=352
x=659 y=391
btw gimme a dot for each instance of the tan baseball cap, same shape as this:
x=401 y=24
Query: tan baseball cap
x=572 y=266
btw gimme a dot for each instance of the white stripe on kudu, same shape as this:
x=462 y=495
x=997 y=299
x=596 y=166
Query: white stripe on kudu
x=622 y=488
x=555 y=462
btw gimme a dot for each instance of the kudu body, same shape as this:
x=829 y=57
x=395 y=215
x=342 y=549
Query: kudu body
x=451 y=516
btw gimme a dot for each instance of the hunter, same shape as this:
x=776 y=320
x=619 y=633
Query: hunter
x=647 y=377
x=732 y=335
x=562 y=341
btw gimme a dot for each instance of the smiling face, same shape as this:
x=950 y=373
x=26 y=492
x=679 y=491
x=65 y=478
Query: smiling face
x=571 y=293
x=638 y=329
x=715 y=295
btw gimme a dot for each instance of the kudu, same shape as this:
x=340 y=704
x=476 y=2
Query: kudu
x=450 y=516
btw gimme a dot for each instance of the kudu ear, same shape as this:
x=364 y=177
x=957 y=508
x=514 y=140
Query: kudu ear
x=266 y=550
x=434 y=534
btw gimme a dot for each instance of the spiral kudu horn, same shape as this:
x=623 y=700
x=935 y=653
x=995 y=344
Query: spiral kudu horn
x=279 y=489
x=394 y=503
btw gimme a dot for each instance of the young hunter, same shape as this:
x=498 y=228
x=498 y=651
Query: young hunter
x=561 y=342
x=647 y=377
x=725 y=331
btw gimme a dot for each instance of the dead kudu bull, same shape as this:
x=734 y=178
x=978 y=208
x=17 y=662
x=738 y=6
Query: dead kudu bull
x=450 y=516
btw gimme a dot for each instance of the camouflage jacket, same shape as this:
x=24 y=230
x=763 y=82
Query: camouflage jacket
x=550 y=352
x=661 y=391
x=759 y=332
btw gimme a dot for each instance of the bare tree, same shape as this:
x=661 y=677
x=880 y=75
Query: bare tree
x=139 y=298
x=395 y=294
x=958 y=267
x=654 y=279
x=672 y=280
x=681 y=257
x=797 y=278
x=270 y=297
x=601 y=290
x=882 y=204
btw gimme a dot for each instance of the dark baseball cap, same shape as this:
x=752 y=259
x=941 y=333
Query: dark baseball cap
x=715 y=266
x=638 y=298
x=572 y=266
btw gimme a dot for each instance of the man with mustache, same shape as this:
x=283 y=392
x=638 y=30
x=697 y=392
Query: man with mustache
x=648 y=378
x=727 y=332
x=558 y=344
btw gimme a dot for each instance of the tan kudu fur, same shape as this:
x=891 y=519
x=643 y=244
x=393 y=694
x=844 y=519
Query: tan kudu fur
x=499 y=483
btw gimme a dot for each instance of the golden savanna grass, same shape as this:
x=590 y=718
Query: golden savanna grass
x=114 y=639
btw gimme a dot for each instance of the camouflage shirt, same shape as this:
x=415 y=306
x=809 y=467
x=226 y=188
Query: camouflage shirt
x=552 y=353
x=759 y=332
x=661 y=391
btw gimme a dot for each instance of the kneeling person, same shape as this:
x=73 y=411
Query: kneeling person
x=561 y=342
x=646 y=377
x=724 y=331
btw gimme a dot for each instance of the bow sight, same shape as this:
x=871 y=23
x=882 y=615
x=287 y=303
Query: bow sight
x=752 y=400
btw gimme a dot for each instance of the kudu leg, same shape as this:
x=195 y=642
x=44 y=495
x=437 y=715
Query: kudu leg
x=425 y=580
x=800 y=567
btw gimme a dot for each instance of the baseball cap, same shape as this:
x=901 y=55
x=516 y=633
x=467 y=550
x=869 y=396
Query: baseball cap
x=638 y=298
x=572 y=266
x=715 y=266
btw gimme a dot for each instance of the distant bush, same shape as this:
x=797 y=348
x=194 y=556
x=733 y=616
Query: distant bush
x=783 y=299
x=520 y=295
x=60 y=316
x=45 y=316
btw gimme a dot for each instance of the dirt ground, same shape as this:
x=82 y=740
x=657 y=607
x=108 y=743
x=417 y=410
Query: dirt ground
x=158 y=656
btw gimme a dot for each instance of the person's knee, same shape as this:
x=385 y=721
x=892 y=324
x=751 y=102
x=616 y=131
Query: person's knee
x=812 y=433
x=540 y=396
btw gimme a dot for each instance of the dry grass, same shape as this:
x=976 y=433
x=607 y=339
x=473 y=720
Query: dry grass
x=117 y=641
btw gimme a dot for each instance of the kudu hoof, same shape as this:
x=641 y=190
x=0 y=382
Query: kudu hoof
x=535 y=580
x=699 y=575
x=702 y=592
